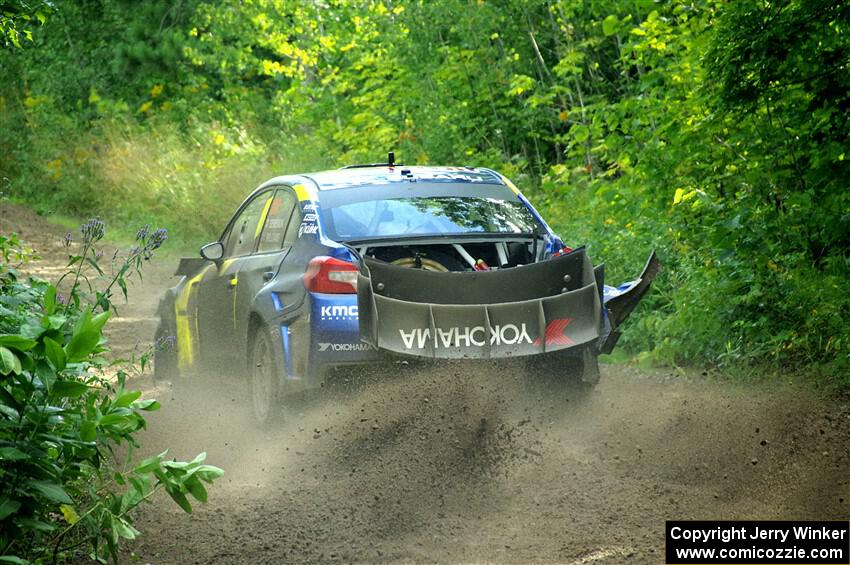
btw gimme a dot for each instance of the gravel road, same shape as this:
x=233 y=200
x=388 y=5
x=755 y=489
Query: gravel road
x=459 y=465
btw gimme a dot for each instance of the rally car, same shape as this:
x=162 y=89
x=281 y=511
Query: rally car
x=375 y=263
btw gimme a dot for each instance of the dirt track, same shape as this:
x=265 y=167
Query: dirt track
x=452 y=466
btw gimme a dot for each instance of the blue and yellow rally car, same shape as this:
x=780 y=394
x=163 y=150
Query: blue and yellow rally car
x=372 y=263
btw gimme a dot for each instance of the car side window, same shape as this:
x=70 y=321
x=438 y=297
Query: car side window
x=292 y=229
x=277 y=216
x=246 y=228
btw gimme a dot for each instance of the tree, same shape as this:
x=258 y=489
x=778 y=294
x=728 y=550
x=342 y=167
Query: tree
x=16 y=18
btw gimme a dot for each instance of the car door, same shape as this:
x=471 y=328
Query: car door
x=217 y=307
x=258 y=269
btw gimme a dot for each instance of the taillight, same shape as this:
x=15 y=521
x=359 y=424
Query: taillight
x=331 y=276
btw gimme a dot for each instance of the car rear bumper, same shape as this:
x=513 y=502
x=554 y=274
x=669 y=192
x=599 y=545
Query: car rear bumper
x=530 y=310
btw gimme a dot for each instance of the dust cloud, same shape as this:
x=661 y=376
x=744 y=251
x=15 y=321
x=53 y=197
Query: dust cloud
x=461 y=463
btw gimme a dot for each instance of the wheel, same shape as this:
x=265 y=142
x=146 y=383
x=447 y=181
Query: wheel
x=265 y=380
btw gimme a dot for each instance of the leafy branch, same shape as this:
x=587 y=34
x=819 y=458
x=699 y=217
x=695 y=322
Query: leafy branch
x=60 y=419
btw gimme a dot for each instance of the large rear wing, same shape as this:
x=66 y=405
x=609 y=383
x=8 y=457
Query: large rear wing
x=547 y=306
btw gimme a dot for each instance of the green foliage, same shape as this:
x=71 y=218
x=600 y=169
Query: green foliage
x=714 y=131
x=16 y=17
x=63 y=495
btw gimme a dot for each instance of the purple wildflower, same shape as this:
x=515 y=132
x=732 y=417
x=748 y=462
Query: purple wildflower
x=158 y=238
x=93 y=231
x=67 y=239
x=143 y=232
x=135 y=250
x=60 y=299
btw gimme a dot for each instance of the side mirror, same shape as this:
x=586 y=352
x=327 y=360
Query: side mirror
x=212 y=251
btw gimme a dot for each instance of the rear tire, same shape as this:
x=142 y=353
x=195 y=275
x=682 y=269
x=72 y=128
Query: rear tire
x=265 y=380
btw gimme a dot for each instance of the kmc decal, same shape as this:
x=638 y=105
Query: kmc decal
x=338 y=312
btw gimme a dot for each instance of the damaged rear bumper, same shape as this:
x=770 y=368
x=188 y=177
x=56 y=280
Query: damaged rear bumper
x=548 y=306
x=483 y=331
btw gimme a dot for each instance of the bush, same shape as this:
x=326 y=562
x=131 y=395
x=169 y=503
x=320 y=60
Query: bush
x=62 y=421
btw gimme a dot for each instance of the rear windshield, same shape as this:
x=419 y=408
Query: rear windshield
x=428 y=215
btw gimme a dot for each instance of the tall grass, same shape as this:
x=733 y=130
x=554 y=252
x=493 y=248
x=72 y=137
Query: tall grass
x=187 y=178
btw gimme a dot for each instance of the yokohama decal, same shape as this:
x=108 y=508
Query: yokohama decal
x=508 y=334
x=346 y=347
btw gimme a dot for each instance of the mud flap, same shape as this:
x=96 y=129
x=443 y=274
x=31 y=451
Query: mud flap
x=548 y=306
x=589 y=367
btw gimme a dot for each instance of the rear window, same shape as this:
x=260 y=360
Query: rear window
x=424 y=216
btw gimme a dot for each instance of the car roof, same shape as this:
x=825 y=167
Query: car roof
x=383 y=174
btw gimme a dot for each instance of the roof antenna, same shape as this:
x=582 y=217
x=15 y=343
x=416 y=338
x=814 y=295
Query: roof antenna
x=391 y=158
